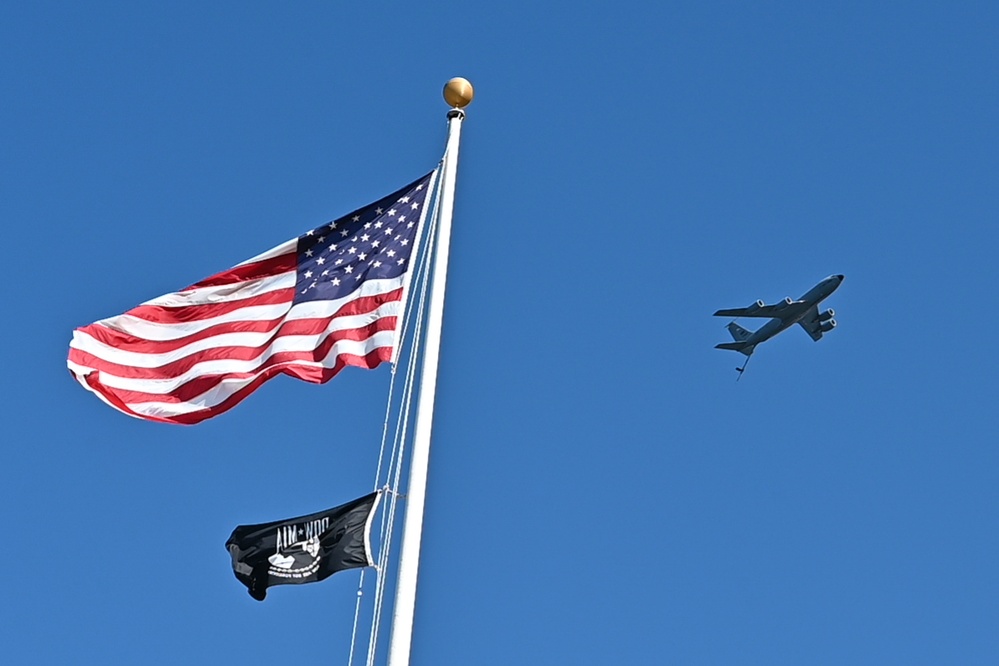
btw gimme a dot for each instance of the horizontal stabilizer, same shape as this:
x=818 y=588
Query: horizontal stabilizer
x=740 y=347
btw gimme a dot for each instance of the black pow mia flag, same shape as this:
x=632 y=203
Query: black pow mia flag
x=306 y=549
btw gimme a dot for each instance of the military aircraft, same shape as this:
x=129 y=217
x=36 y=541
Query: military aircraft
x=783 y=315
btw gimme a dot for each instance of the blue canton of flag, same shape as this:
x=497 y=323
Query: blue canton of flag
x=373 y=243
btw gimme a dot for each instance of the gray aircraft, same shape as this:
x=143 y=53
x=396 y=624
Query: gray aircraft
x=783 y=315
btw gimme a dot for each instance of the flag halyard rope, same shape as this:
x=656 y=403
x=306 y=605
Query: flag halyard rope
x=394 y=477
x=393 y=465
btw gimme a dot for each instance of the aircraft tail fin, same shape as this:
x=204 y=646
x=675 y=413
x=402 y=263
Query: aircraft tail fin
x=740 y=347
x=739 y=334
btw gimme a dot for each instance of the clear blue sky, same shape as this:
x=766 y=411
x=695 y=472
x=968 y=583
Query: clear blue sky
x=602 y=490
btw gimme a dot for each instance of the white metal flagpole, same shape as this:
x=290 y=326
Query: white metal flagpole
x=458 y=93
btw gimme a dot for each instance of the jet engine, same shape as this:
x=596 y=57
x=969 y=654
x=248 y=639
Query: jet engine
x=827 y=315
x=787 y=300
x=755 y=306
x=827 y=325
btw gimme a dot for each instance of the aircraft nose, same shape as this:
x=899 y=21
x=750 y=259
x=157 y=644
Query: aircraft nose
x=840 y=277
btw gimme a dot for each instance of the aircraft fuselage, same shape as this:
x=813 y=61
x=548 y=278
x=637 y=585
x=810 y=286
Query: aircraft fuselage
x=795 y=312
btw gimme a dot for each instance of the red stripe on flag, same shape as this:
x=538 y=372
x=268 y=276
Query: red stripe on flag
x=237 y=353
x=165 y=314
x=255 y=271
x=310 y=374
x=131 y=343
x=313 y=375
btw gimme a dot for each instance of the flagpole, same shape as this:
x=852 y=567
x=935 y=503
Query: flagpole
x=458 y=93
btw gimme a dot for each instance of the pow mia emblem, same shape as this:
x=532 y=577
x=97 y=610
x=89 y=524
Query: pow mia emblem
x=297 y=553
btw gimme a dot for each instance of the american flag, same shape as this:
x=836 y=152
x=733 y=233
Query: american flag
x=328 y=299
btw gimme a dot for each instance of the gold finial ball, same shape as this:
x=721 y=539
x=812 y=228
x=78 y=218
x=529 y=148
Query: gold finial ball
x=458 y=92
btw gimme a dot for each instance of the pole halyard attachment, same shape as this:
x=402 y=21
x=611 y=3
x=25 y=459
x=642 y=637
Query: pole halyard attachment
x=458 y=94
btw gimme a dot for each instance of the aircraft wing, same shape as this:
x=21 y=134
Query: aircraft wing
x=810 y=323
x=754 y=310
